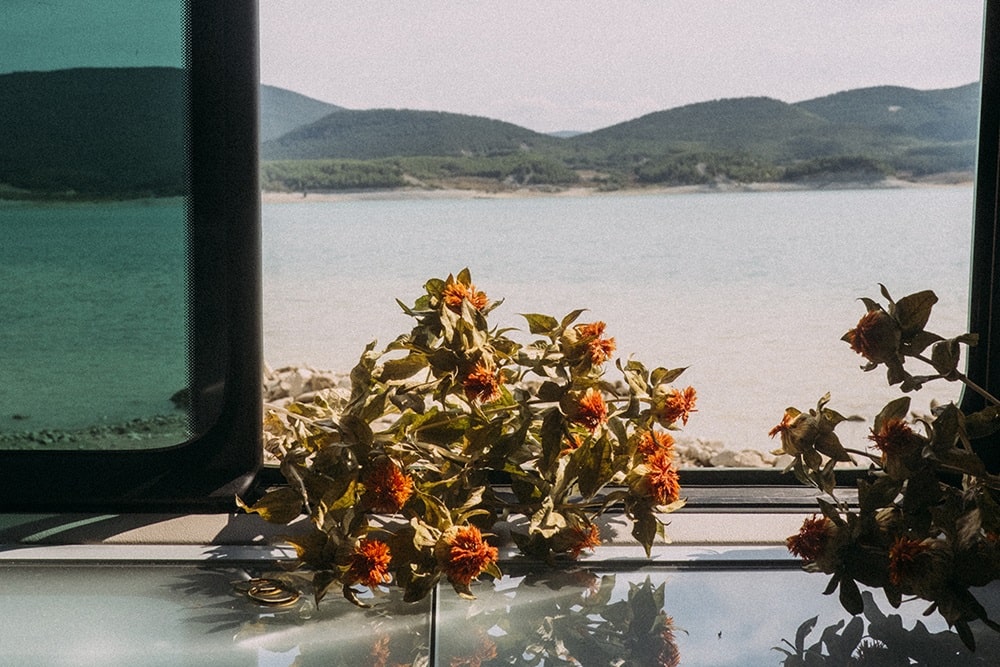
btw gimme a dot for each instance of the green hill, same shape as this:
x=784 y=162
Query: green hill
x=281 y=111
x=120 y=132
x=757 y=125
x=381 y=133
x=935 y=115
x=96 y=132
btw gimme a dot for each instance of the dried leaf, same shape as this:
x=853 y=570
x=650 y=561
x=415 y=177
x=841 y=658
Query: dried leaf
x=280 y=505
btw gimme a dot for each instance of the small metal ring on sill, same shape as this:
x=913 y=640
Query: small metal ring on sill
x=269 y=592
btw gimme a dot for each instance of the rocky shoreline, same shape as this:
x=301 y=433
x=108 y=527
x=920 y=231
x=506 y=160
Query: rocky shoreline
x=140 y=433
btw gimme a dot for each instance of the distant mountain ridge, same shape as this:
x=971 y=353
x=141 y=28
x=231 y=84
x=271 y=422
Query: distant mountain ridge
x=880 y=131
x=282 y=111
x=84 y=130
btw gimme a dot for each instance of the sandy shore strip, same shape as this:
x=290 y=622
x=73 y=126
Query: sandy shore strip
x=416 y=193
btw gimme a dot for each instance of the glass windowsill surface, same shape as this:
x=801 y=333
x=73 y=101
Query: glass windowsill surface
x=698 y=606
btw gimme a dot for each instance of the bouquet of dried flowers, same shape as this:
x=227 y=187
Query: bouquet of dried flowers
x=399 y=482
x=927 y=520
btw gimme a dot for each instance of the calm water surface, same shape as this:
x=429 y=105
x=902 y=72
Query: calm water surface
x=750 y=291
x=93 y=300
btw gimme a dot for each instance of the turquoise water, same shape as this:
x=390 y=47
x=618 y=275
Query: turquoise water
x=94 y=312
x=751 y=291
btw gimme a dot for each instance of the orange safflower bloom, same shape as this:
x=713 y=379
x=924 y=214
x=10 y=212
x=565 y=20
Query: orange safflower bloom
x=387 y=488
x=583 y=538
x=599 y=348
x=676 y=405
x=573 y=443
x=786 y=423
x=903 y=559
x=811 y=539
x=651 y=442
x=379 y=654
x=481 y=383
x=369 y=564
x=668 y=654
x=485 y=650
x=463 y=554
x=454 y=293
x=876 y=337
x=591 y=410
x=895 y=438
x=662 y=478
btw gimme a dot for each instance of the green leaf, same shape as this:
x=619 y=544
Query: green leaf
x=322 y=581
x=281 y=505
x=434 y=286
x=550 y=391
x=850 y=596
x=400 y=369
x=665 y=376
x=355 y=431
x=802 y=632
x=645 y=528
x=913 y=311
x=897 y=408
x=551 y=435
x=983 y=423
x=539 y=324
x=945 y=356
x=571 y=317
x=593 y=462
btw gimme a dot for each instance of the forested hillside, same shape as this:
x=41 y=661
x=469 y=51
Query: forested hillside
x=95 y=132
x=120 y=133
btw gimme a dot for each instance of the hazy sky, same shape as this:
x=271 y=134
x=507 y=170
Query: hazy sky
x=58 y=34
x=578 y=65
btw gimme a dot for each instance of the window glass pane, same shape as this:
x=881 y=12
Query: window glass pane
x=745 y=173
x=93 y=181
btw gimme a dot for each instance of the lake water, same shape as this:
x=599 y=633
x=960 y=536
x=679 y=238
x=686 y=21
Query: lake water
x=93 y=300
x=750 y=291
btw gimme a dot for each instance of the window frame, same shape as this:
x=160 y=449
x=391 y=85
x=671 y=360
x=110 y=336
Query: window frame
x=205 y=473
x=224 y=316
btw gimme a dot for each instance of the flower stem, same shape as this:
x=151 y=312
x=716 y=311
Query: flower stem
x=964 y=379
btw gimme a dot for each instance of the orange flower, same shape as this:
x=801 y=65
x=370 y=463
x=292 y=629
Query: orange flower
x=379 y=654
x=591 y=410
x=876 y=337
x=895 y=438
x=387 y=488
x=786 y=423
x=573 y=443
x=904 y=559
x=651 y=442
x=583 y=537
x=662 y=478
x=811 y=539
x=485 y=650
x=463 y=555
x=369 y=564
x=481 y=383
x=599 y=349
x=673 y=404
x=668 y=654
x=454 y=293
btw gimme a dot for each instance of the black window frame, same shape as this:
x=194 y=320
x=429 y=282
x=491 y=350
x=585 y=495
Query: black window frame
x=224 y=317
x=204 y=474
